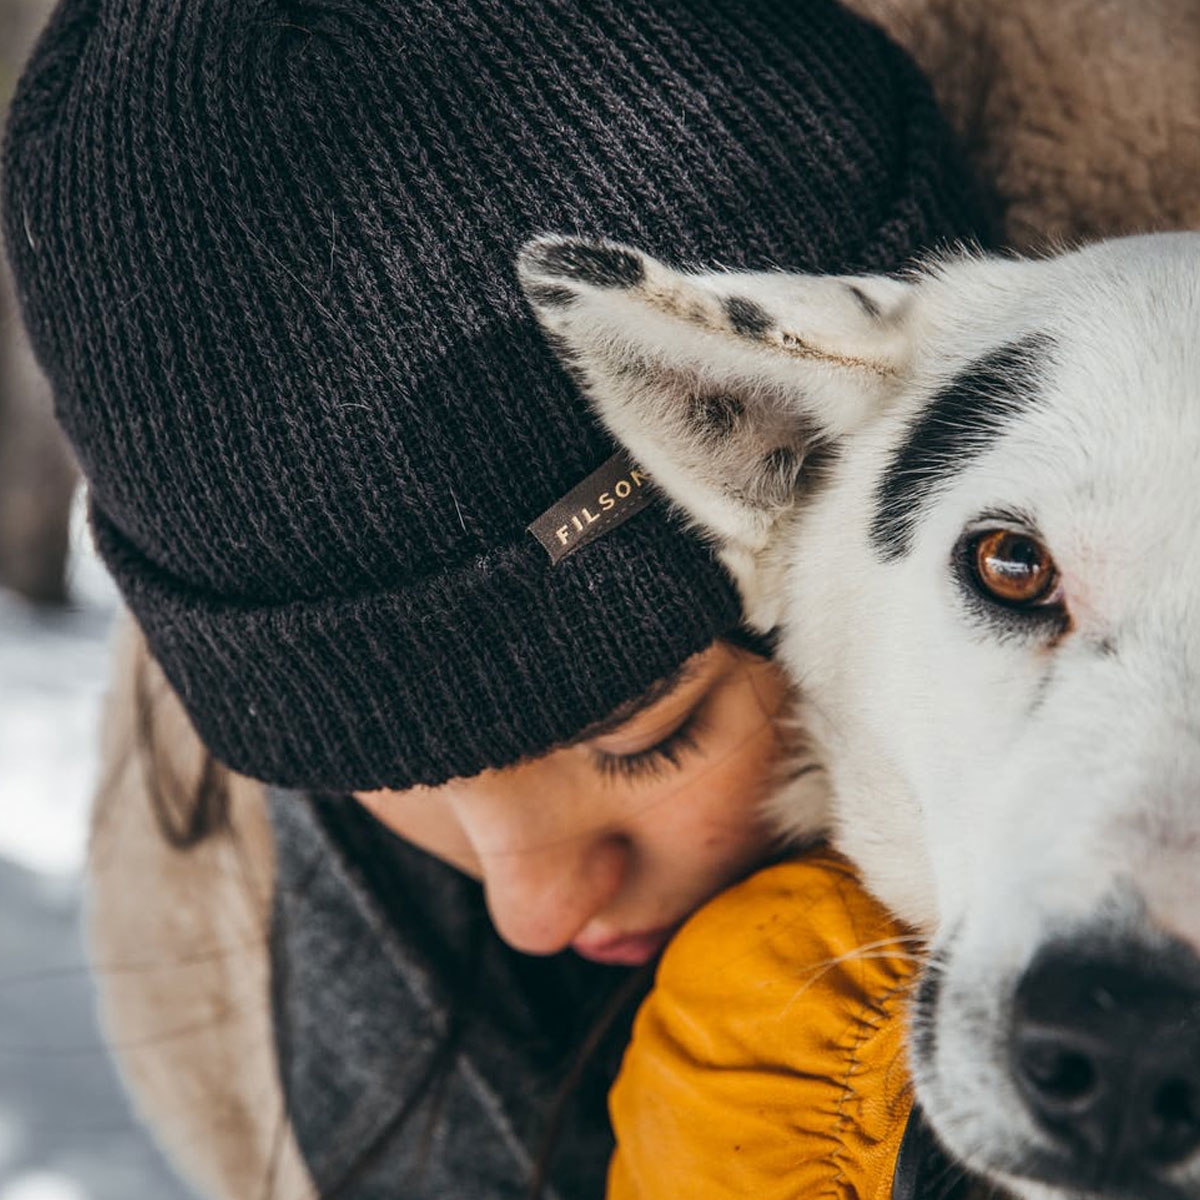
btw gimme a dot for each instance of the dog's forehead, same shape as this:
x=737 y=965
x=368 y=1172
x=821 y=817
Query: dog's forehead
x=1067 y=388
x=1127 y=331
x=1112 y=431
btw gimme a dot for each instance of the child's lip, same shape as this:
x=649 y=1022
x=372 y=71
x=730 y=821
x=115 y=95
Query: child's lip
x=628 y=950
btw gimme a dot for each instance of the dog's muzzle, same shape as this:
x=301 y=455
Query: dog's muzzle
x=1104 y=1047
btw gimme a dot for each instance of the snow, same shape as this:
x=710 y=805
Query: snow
x=42 y=1185
x=52 y=670
x=66 y=1132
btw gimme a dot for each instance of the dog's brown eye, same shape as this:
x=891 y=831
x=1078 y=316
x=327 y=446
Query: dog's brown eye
x=1013 y=568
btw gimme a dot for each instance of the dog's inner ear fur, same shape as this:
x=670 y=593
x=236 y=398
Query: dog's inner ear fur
x=733 y=390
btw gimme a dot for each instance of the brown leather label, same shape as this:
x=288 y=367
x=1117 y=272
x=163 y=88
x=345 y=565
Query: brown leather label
x=608 y=497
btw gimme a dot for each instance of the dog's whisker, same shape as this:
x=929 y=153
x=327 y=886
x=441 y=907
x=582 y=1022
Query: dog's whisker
x=871 y=951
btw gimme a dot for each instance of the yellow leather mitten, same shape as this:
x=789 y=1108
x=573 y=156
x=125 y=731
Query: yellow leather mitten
x=768 y=1061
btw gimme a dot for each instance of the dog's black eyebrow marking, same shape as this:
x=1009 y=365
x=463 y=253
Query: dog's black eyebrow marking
x=955 y=427
x=746 y=317
x=587 y=262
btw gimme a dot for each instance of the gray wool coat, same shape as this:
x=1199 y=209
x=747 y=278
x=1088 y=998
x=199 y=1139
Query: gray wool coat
x=419 y=1055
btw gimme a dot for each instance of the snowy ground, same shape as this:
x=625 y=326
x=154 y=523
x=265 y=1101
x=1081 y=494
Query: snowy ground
x=65 y=1128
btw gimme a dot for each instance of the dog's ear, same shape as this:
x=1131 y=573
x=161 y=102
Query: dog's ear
x=733 y=390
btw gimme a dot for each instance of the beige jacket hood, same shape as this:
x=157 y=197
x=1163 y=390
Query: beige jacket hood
x=178 y=942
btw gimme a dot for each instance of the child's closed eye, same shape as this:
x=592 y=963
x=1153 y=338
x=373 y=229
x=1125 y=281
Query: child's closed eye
x=664 y=755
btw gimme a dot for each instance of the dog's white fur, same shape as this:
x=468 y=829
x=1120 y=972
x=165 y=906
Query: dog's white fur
x=998 y=783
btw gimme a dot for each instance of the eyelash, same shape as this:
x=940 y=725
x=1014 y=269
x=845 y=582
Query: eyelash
x=654 y=760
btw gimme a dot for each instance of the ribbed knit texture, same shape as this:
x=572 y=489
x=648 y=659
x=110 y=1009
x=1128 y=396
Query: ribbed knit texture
x=264 y=249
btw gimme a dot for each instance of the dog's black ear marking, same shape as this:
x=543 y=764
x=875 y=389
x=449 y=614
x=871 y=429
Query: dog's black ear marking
x=788 y=471
x=864 y=301
x=778 y=475
x=566 y=354
x=961 y=422
x=568 y=359
x=550 y=295
x=715 y=415
x=819 y=458
x=587 y=262
x=747 y=318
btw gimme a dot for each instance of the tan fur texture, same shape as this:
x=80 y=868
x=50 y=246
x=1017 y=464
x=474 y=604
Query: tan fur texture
x=178 y=943
x=1084 y=114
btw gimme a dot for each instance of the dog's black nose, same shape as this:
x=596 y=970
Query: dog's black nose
x=1106 y=1052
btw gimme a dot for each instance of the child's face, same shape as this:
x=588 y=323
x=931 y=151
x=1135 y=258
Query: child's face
x=606 y=845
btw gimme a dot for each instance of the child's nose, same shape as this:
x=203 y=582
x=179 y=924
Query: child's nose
x=540 y=899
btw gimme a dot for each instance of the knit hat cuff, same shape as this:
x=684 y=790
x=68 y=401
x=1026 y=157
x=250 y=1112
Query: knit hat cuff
x=497 y=660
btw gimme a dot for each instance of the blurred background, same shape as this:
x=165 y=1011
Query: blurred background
x=66 y=1132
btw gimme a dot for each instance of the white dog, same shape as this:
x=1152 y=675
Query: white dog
x=968 y=502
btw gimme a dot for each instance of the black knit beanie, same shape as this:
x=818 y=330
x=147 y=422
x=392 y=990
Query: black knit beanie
x=265 y=251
